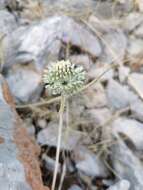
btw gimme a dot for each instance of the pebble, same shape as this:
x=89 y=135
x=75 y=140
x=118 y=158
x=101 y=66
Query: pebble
x=127 y=165
x=134 y=49
x=131 y=21
x=131 y=129
x=48 y=136
x=119 y=96
x=118 y=41
x=7 y=22
x=137 y=110
x=139 y=31
x=123 y=73
x=88 y=163
x=75 y=187
x=135 y=80
x=25 y=85
x=140 y=5
x=121 y=185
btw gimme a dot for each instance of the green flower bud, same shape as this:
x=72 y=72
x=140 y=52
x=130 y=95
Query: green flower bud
x=64 y=78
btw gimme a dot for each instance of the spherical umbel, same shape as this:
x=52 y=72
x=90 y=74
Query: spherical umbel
x=64 y=78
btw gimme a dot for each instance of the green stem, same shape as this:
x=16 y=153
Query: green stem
x=63 y=99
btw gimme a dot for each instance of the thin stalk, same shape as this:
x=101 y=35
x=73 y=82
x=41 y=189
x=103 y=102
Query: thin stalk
x=43 y=103
x=97 y=79
x=58 y=141
x=63 y=175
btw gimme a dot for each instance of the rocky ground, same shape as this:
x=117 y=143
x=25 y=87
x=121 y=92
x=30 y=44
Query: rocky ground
x=104 y=146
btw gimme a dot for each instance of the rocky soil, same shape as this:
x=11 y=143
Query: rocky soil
x=104 y=146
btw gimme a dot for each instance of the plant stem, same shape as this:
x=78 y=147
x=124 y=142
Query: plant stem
x=58 y=141
x=97 y=79
x=43 y=103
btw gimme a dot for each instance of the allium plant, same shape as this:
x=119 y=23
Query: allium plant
x=64 y=78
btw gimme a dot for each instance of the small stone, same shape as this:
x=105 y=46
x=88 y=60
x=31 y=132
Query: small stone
x=139 y=31
x=131 y=21
x=119 y=96
x=135 y=80
x=95 y=72
x=50 y=163
x=98 y=116
x=7 y=22
x=2 y=4
x=134 y=49
x=121 y=185
x=95 y=97
x=130 y=128
x=75 y=8
x=88 y=163
x=118 y=41
x=137 y=110
x=25 y=85
x=76 y=34
x=41 y=123
x=123 y=73
x=140 y=5
x=49 y=135
x=83 y=60
x=75 y=187
x=127 y=165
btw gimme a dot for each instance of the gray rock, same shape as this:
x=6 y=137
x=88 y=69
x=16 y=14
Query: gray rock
x=140 y=5
x=139 y=31
x=135 y=49
x=25 y=85
x=135 y=80
x=131 y=21
x=41 y=42
x=117 y=41
x=74 y=8
x=137 y=110
x=49 y=135
x=2 y=4
x=123 y=73
x=88 y=163
x=95 y=97
x=95 y=72
x=98 y=116
x=121 y=185
x=127 y=165
x=50 y=163
x=75 y=187
x=83 y=60
x=7 y=22
x=131 y=129
x=108 y=10
x=119 y=96
x=14 y=168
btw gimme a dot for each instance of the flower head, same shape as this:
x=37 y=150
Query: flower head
x=64 y=78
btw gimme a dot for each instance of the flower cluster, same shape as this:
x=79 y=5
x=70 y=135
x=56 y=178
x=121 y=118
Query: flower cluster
x=64 y=78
